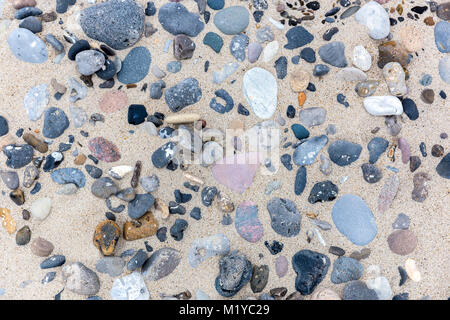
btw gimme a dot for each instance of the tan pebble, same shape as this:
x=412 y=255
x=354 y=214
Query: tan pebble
x=429 y=21
x=145 y=226
x=182 y=118
x=57 y=86
x=35 y=142
x=162 y=209
x=412 y=271
x=325 y=294
x=299 y=80
x=193 y=179
x=80 y=159
x=7 y=220
x=41 y=247
x=19 y=4
x=311 y=215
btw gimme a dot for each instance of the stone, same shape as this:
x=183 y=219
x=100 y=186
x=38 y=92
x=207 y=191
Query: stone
x=55 y=123
x=358 y=290
x=366 y=88
x=443 y=167
x=343 y=152
x=300 y=132
x=19 y=4
x=232 y=20
x=306 y=153
x=405 y=149
x=135 y=66
x=227 y=70
x=183 y=94
x=254 y=51
x=23 y=236
x=183 y=47
x=345 y=270
x=265 y=34
x=238 y=46
x=297 y=37
x=260 y=89
x=395 y=78
x=375 y=18
x=178 y=228
x=53 y=262
x=164 y=154
x=89 y=61
x=18 y=156
x=130 y=287
x=161 y=263
x=79 y=116
x=270 y=51
x=26 y=46
x=361 y=58
x=420 y=182
x=333 y=53
x=281 y=266
x=218 y=107
x=299 y=80
x=325 y=294
x=410 y=109
x=259 y=279
x=371 y=174
x=10 y=179
x=281 y=67
x=377 y=146
x=247 y=223
x=31 y=23
x=412 y=270
x=381 y=287
x=137 y=260
x=437 y=151
x=146 y=227
x=285 y=217
x=323 y=191
x=77 y=90
x=383 y=105
x=104 y=149
x=176 y=19
x=444 y=69
x=40 y=208
x=320 y=70
x=35 y=101
x=442 y=36
x=427 y=96
x=311 y=268
x=354 y=219
x=212 y=152
x=113 y=266
x=351 y=74
x=311 y=117
x=106 y=236
x=173 y=66
x=69 y=175
x=118 y=23
x=104 y=187
x=80 y=279
x=443 y=11
x=140 y=205
x=388 y=193
x=17 y=196
x=93 y=171
x=204 y=248
x=235 y=270
x=150 y=183
x=402 y=242
x=414 y=163
x=41 y=247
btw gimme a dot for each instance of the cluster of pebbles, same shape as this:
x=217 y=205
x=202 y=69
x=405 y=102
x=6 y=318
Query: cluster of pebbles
x=77 y=161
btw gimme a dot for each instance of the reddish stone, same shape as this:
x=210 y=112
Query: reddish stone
x=104 y=149
x=113 y=101
x=387 y=193
x=406 y=150
x=281 y=266
x=402 y=242
x=247 y=223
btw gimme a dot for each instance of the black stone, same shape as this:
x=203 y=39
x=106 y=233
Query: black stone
x=136 y=114
x=196 y=213
x=77 y=47
x=311 y=268
x=371 y=174
x=208 y=195
x=410 y=108
x=177 y=230
x=323 y=191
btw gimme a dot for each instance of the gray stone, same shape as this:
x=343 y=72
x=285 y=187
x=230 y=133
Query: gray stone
x=55 y=123
x=442 y=36
x=36 y=100
x=89 y=61
x=150 y=183
x=26 y=46
x=285 y=217
x=311 y=268
x=401 y=222
x=346 y=269
x=31 y=23
x=377 y=146
x=358 y=290
x=135 y=66
x=161 y=263
x=104 y=187
x=371 y=174
x=130 y=287
x=311 y=117
x=238 y=46
x=203 y=248
x=69 y=175
x=80 y=279
x=176 y=19
x=333 y=53
x=140 y=205
x=18 y=156
x=307 y=152
x=232 y=20
x=10 y=179
x=113 y=266
x=183 y=94
x=343 y=152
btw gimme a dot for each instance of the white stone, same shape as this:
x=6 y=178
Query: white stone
x=383 y=105
x=381 y=287
x=130 y=287
x=395 y=79
x=260 y=89
x=26 y=46
x=375 y=18
x=36 y=100
x=212 y=152
x=227 y=70
x=412 y=271
x=270 y=51
x=351 y=74
x=119 y=172
x=40 y=208
x=362 y=58
x=276 y=23
x=150 y=128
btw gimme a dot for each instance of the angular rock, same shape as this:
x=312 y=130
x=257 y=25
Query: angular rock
x=311 y=268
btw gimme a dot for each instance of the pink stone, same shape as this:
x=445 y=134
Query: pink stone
x=404 y=147
x=402 y=242
x=281 y=266
x=387 y=193
x=237 y=172
x=113 y=101
x=247 y=223
x=104 y=149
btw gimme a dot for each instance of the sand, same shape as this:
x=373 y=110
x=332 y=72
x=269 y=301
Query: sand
x=72 y=221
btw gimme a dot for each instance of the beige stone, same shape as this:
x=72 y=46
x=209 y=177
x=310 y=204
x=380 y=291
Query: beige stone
x=299 y=80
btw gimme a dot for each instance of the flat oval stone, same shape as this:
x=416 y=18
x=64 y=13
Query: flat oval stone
x=135 y=66
x=53 y=262
x=354 y=219
x=284 y=216
x=442 y=36
x=247 y=222
x=176 y=19
x=26 y=46
x=260 y=89
x=402 y=242
x=298 y=37
x=104 y=149
x=375 y=18
x=104 y=187
x=300 y=181
x=311 y=117
x=161 y=263
x=343 y=152
x=238 y=46
x=383 y=105
x=232 y=20
x=311 y=268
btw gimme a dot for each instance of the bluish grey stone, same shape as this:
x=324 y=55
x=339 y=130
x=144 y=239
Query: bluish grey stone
x=173 y=66
x=307 y=152
x=300 y=181
x=320 y=70
x=135 y=66
x=218 y=107
x=343 y=152
x=371 y=174
x=130 y=287
x=401 y=222
x=265 y=34
x=18 y=156
x=161 y=263
x=216 y=4
x=4 y=128
x=308 y=54
x=55 y=123
x=156 y=91
x=358 y=290
x=311 y=268
x=238 y=46
x=53 y=262
x=284 y=216
x=35 y=101
x=140 y=205
x=346 y=269
x=69 y=175
x=104 y=187
x=183 y=94
x=27 y=12
x=176 y=19
x=93 y=171
x=214 y=41
x=232 y=20
x=235 y=270
x=443 y=167
x=444 y=69
x=55 y=43
x=333 y=53
x=113 y=266
x=31 y=23
x=311 y=117
x=89 y=61
x=442 y=36
x=377 y=146
x=354 y=219
x=298 y=37
x=137 y=260
x=26 y=46
x=118 y=23
x=10 y=179
x=281 y=67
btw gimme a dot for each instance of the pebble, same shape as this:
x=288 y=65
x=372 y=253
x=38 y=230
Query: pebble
x=311 y=268
x=164 y=154
x=358 y=290
x=156 y=89
x=281 y=67
x=35 y=101
x=218 y=107
x=238 y=46
x=420 y=190
x=18 y=156
x=214 y=41
x=442 y=36
x=308 y=54
x=176 y=19
x=247 y=223
x=10 y=179
x=135 y=66
x=405 y=149
x=254 y=51
x=427 y=96
x=204 y=248
x=265 y=34
x=366 y=88
x=375 y=18
x=307 y=152
x=41 y=247
x=19 y=4
x=333 y=53
x=410 y=109
x=69 y=175
x=104 y=149
x=346 y=269
x=260 y=89
x=140 y=205
x=437 y=151
x=173 y=66
x=388 y=193
x=444 y=69
x=320 y=70
x=93 y=171
x=297 y=37
x=53 y=262
x=23 y=236
x=299 y=80
x=259 y=279
x=442 y=11
x=185 y=93
x=106 y=236
x=183 y=47
x=311 y=117
x=80 y=279
x=351 y=74
x=235 y=270
x=130 y=287
x=281 y=266
x=343 y=152
x=178 y=228
x=118 y=23
x=325 y=294
x=232 y=20
x=412 y=270
x=40 y=208
x=55 y=123
x=113 y=266
x=26 y=46
x=77 y=90
x=323 y=191
x=371 y=174
x=146 y=226
x=330 y=33
x=67 y=189
x=383 y=105
x=150 y=183
x=31 y=23
x=161 y=263
x=354 y=219
x=361 y=58
x=285 y=217
x=104 y=187
x=227 y=70
x=443 y=167
x=402 y=242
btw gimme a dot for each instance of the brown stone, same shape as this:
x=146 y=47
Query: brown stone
x=23 y=236
x=49 y=16
x=26 y=215
x=443 y=11
x=35 y=142
x=183 y=47
x=402 y=242
x=19 y=4
x=162 y=209
x=79 y=159
x=17 y=197
x=106 y=236
x=429 y=21
x=299 y=80
x=41 y=247
x=57 y=86
x=420 y=191
x=144 y=227
x=427 y=96
x=392 y=51
x=437 y=151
